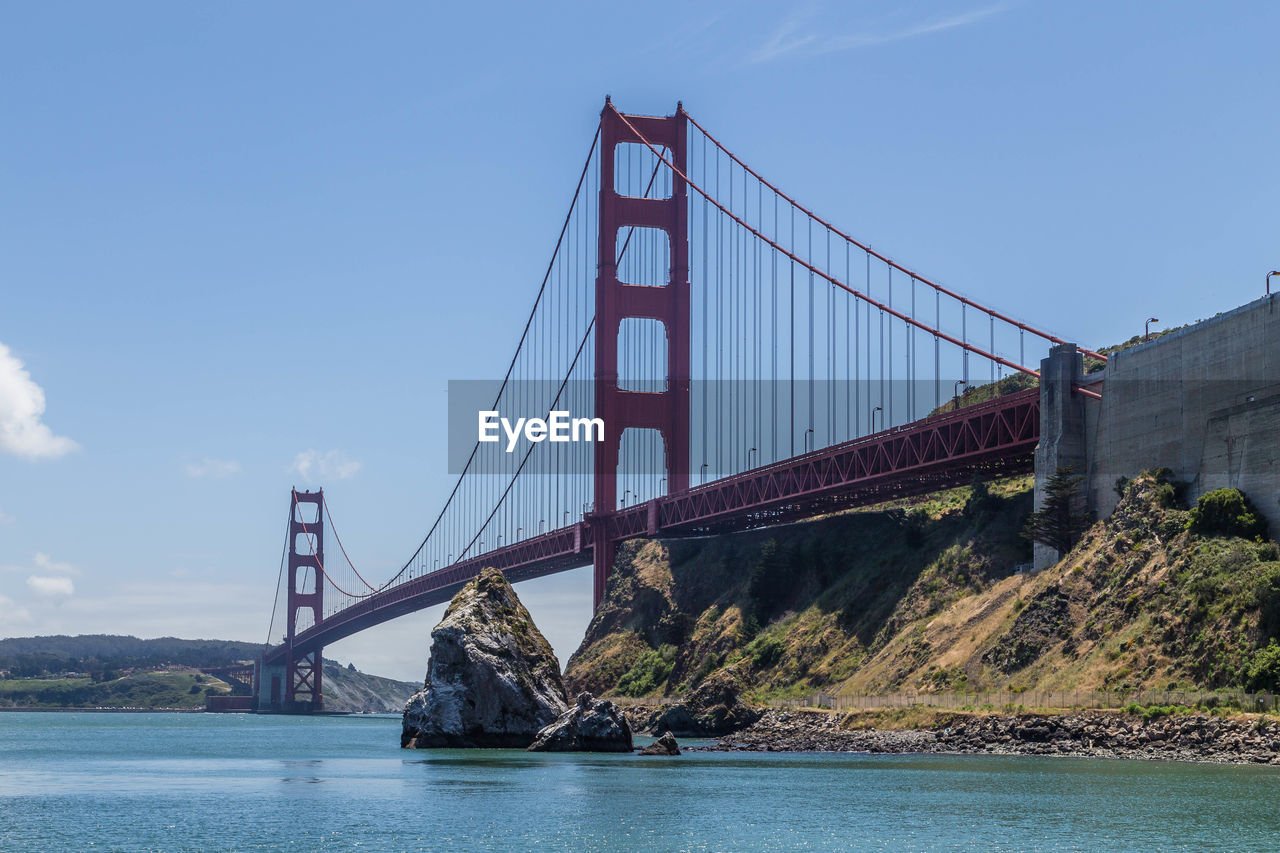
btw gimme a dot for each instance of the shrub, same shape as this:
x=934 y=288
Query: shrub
x=649 y=672
x=765 y=651
x=1226 y=512
x=1263 y=669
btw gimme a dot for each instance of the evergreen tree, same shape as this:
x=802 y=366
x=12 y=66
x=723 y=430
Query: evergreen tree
x=1061 y=518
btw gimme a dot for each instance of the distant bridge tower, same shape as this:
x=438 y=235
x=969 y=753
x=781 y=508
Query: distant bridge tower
x=296 y=687
x=666 y=411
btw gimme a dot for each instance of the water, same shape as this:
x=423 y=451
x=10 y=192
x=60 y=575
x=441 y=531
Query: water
x=175 y=782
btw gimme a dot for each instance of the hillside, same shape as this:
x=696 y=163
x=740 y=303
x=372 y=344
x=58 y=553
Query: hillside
x=925 y=597
x=109 y=671
x=35 y=656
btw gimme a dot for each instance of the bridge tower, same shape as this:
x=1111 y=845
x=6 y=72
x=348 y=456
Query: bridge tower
x=666 y=411
x=302 y=672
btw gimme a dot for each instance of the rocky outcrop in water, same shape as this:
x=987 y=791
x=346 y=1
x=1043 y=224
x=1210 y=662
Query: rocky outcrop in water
x=665 y=745
x=591 y=725
x=493 y=680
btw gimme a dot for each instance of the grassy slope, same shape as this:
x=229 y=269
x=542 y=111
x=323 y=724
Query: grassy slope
x=183 y=688
x=828 y=598
x=926 y=599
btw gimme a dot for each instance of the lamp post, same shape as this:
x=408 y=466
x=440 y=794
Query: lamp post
x=704 y=471
x=959 y=383
x=1273 y=272
x=879 y=409
x=808 y=433
x=749 y=452
x=1146 y=335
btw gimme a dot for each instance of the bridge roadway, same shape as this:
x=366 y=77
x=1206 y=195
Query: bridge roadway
x=994 y=438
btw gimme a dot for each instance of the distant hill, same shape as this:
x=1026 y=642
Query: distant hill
x=35 y=656
x=96 y=670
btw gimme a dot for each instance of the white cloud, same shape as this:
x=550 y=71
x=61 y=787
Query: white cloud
x=51 y=587
x=214 y=468
x=332 y=464
x=21 y=407
x=797 y=37
x=45 y=563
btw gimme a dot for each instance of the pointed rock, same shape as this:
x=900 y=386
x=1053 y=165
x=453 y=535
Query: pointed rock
x=592 y=725
x=665 y=745
x=493 y=680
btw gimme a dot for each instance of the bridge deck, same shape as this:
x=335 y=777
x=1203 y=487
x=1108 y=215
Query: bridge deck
x=993 y=438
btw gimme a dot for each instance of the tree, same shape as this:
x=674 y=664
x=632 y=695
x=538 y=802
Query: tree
x=1061 y=517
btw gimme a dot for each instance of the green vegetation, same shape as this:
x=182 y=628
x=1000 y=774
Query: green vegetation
x=170 y=689
x=93 y=671
x=1263 y=670
x=1227 y=512
x=1060 y=521
x=37 y=656
x=649 y=672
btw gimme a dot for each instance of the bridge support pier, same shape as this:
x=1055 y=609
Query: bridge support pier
x=603 y=553
x=1062 y=429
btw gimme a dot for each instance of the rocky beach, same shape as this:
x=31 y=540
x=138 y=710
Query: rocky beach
x=1098 y=734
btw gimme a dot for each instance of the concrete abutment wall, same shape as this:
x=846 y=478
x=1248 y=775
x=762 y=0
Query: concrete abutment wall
x=1203 y=401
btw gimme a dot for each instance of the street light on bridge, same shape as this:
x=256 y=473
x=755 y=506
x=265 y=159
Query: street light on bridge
x=880 y=410
x=1147 y=332
x=956 y=390
x=1273 y=272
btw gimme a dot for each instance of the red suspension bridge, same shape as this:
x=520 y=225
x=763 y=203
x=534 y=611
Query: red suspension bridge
x=752 y=364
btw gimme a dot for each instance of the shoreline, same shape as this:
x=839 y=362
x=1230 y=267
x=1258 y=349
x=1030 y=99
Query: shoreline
x=1082 y=734
x=40 y=710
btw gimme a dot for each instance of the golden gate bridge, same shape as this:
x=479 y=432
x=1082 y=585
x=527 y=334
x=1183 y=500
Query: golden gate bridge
x=753 y=365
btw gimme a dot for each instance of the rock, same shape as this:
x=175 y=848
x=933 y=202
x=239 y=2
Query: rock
x=714 y=708
x=592 y=725
x=665 y=745
x=677 y=719
x=493 y=680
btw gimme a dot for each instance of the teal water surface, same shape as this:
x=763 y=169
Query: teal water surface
x=178 y=782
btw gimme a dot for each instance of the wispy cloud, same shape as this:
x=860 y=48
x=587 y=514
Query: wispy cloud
x=43 y=564
x=217 y=469
x=801 y=35
x=22 y=432
x=330 y=465
x=51 y=587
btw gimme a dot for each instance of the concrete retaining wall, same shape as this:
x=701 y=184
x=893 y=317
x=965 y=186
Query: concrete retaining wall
x=1203 y=401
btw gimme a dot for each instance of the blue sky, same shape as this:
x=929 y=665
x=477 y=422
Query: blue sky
x=244 y=247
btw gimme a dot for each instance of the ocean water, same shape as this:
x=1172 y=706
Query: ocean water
x=178 y=782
